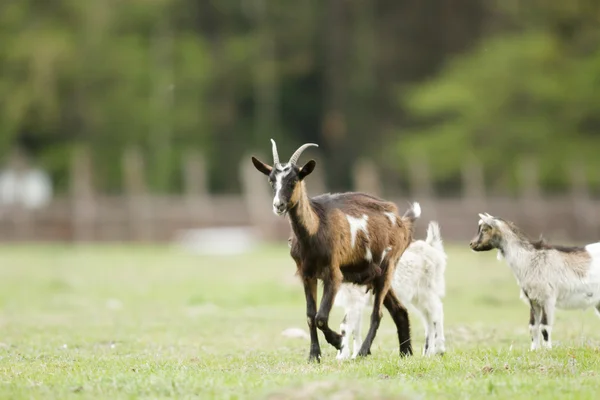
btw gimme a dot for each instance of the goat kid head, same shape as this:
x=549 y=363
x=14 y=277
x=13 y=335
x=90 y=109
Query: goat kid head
x=286 y=178
x=489 y=234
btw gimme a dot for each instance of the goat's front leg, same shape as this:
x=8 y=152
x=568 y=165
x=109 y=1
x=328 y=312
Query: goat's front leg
x=535 y=316
x=346 y=331
x=357 y=328
x=330 y=288
x=351 y=325
x=310 y=291
x=546 y=323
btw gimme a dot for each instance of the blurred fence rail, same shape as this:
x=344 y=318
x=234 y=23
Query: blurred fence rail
x=139 y=216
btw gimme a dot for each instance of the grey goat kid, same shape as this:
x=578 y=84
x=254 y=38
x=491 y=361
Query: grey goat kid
x=342 y=237
x=549 y=276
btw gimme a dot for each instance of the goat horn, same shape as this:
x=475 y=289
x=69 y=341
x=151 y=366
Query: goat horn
x=294 y=158
x=275 y=155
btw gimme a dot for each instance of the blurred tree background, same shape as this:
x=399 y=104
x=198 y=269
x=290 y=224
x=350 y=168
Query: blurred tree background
x=439 y=80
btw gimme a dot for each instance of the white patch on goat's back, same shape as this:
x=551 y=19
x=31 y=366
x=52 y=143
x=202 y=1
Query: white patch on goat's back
x=391 y=216
x=369 y=255
x=385 y=251
x=594 y=252
x=357 y=224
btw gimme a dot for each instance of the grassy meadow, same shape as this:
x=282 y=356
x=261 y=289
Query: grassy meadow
x=156 y=322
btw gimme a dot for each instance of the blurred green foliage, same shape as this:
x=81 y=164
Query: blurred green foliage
x=109 y=74
x=224 y=76
x=517 y=95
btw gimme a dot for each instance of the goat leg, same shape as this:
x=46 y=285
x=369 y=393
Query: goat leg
x=546 y=323
x=399 y=315
x=310 y=291
x=357 y=331
x=330 y=287
x=535 y=314
x=376 y=316
x=345 y=331
x=438 y=324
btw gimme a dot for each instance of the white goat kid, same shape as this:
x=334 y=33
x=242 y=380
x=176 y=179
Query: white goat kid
x=549 y=276
x=419 y=284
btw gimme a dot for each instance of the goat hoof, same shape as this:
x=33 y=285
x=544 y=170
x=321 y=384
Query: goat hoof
x=338 y=342
x=343 y=353
x=314 y=358
x=362 y=354
x=405 y=353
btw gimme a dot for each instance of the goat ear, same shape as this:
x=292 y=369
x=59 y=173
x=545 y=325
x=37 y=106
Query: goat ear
x=261 y=166
x=307 y=169
x=487 y=219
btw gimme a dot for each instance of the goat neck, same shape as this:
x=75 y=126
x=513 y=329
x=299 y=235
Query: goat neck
x=303 y=217
x=517 y=254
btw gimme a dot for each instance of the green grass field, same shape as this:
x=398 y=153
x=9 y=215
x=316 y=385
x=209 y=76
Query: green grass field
x=140 y=322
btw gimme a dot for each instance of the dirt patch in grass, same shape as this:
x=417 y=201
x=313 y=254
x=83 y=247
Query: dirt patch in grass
x=331 y=390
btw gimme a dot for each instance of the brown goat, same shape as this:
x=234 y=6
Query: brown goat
x=343 y=237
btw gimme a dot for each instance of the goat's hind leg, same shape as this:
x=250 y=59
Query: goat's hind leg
x=438 y=326
x=429 y=327
x=400 y=317
x=381 y=287
x=376 y=315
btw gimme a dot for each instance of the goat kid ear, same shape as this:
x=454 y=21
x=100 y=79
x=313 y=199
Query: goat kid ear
x=307 y=169
x=261 y=166
x=487 y=219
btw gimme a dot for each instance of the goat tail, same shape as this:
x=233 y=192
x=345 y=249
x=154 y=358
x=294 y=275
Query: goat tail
x=413 y=213
x=410 y=216
x=434 y=237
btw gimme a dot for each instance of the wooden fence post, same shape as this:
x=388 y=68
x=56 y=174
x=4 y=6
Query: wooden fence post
x=195 y=178
x=421 y=186
x=22 y=218
x=473 y=184
x=584 y=213
x=257 y=197
x=83 y=210
x=138 y=201
x=532 y=207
